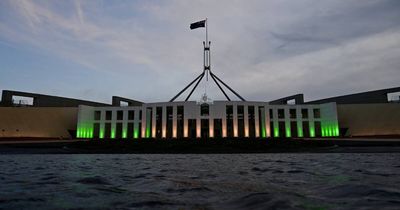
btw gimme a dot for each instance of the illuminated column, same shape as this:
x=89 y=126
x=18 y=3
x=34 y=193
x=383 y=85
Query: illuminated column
x=275 y=122
x=164 y=122
x=235 y=121
x=299 y=122
x=224 y=123
x=144 y=121
x=174 y=121
x=287 y=122
x=102 y=124
x=267 y=121
x=113 y=123
x=136 y=124
x=311 y=121
x=246 y=120
x=148 y=121
x=153 y=121
x=125 y=124
x=198 y=126
x=211 y=127
x=256 y=124
x=185 y=124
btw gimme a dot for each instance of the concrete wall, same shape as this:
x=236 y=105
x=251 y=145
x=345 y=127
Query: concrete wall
x=370 y=97
x=370 y=119
x=47 y=122
x=40 y=100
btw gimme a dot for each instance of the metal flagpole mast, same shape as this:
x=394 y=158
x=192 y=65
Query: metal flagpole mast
x=207 y=68
x=206 y=31
x=208 y=57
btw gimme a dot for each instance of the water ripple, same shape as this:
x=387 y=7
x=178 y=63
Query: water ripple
x=217 y=181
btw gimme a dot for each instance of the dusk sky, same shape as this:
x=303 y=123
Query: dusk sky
x=144 y=50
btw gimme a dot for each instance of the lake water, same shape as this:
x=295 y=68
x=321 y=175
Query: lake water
x=217 y=181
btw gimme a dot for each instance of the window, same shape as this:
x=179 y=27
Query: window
x=22 y=100
x=240 y=121
x=281 y=113
x=240 y=112
x=291 y=101
x=204 y=110
x=108 y=115
x=317 y=113
x=131 y=115
x=251 y=121
x=169 y=121
x=229 y=112
x=179 y=123
x=292 y=113
x=271 y=114
x=393 y=97
x=123 y=103
x=159 y=111
x=229 y=121
x=120 y=115
x=97 y=115
x=304 y=113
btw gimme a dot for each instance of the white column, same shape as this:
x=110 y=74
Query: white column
x=102 y=123
x=299 y=122
x=287 y=121
x=164 y=122
x=198 y=126
x=174 y=121
x=275 y=121
x=267 y=121
x=144 y=113
x=185 y=122
x=311 y=121
x=246 y=120
x=235 y=121
x=153 y=122
x=113 y=124
x=136 y=122
x=256 y=124
x=224 y=127
x=125 y=124
x=211 y=127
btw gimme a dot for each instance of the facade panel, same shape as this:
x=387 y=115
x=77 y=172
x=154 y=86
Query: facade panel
x=219 y=119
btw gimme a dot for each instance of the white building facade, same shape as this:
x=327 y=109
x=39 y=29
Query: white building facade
x=219 y=119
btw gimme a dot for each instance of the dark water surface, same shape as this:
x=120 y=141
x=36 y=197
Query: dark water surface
x=238 y=181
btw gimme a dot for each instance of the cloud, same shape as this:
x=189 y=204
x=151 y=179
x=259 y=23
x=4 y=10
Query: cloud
x=263 y=49
x=358 y=65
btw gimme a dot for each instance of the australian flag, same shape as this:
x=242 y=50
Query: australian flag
x=198 y=24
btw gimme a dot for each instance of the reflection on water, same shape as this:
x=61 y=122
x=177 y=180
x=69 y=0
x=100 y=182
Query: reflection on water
x=238 y=181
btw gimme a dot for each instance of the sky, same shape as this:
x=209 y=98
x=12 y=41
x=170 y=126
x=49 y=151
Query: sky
x=144 y=50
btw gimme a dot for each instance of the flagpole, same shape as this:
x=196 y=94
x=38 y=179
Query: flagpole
x=206 y=32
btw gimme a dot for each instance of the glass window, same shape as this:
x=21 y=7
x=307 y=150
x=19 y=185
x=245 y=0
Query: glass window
x=131 y=115
x=229 y=112
x=304 y=113
x=281 y=113
x=204 y=110
x=317 y=113
x=120 y=115
x=271 y=114
x=108 y=115
x=240 y=112
x=97 y=115
x=292 y=113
